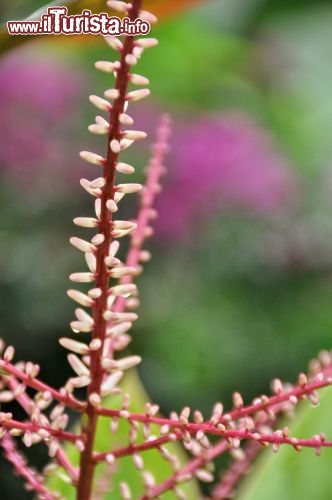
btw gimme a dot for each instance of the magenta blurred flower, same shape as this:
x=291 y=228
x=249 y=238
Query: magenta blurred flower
x=38 y=99
x=225 y=163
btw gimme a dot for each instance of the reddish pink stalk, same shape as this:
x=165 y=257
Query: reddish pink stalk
x=102 y=275
x=33 y=480
x=155 y=170
x=229 y=480
x=63 y=397
x=268 y=404
x=28 y=404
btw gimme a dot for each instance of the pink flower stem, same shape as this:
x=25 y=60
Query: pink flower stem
x=238 y=469
x=65 y=398
x=87 y=465
x=27 y=404
x=34 y=427
x=189 y=469
x=297 y=391
x=131 y=449
x=155 y=170
x=267 y=403
x=33 y=480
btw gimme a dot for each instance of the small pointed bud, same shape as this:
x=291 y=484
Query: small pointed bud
x=276 y=386
x=112 y=94
x=198 y=417
x=124 y=225
x=129 y=188
x=98 y=183
x=148 y=479
x=125 y=491
x=53 y=448
x=293 y=399
x=80 y=297
x=81 y=277
x=204 y=475
x=118 y=330
x=237 y=400
x=94 y=399
x=100 y=120
x=82 y=245
x=110 y=459
x=146 y=43
x=136 y=95
x=110 y=382
x=91 y=261
x=130 y=59
x=125 y=119
x=81 y=381
x=147 y=16
x=118 y=196
x=134 y=135
x=111 y=206
x=107 y=315
x=123 y=290
x=98 y=129
x=107 y=66
x=121 y=364
x=164 y=429
x=115 y=146
x=82 y=315
x=85 y=221
x=302 y=379
x=98 y=208
x=114 y=42
x=95 y=344
x=117 y=5
x=144 y=256
x=9 y=353
x=81 y=326
x=139 y=80
x=125 y=143
x=185 y=415
x=138 y=461
x=98 y=239
x=6 y=396
x=112 y=261
x=114 y=248
x=87 y=186
x=119 y=272
x=314 y=398
x=126 y=316
x=138 y=51
x=77 y=365
x=95 y=293
x=92 y=157
x=79 y=445
x=100 y=103
x=74 y=346
x=124 y=168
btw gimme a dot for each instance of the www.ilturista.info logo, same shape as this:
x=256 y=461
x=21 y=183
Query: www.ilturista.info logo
x=56 y=22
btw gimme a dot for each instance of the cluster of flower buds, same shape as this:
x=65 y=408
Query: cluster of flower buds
x=108 y=323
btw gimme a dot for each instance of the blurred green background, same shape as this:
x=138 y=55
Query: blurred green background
x=240 y=286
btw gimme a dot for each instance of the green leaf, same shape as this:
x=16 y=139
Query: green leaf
x=126 y=471
x=290 y=475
